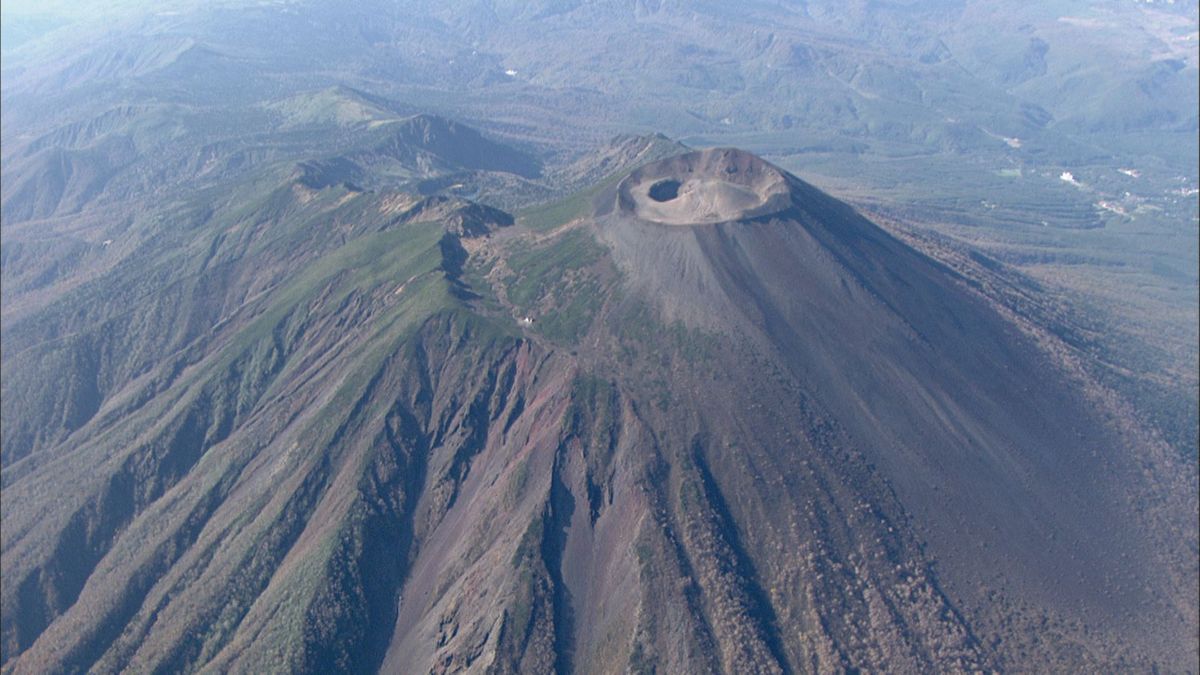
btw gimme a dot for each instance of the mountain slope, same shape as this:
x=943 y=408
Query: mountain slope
x=398 y=433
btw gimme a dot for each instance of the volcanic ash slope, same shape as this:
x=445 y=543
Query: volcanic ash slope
x=846 y=362
x=743 y=430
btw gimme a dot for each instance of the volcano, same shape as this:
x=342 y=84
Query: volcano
x=701 y=417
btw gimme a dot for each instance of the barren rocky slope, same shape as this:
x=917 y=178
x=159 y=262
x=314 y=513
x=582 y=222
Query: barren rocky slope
x=382 y=432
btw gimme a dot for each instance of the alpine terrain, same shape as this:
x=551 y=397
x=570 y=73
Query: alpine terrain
x=311 y=379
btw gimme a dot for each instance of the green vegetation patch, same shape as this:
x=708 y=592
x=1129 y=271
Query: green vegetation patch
x=560 y=284
x=550 y=215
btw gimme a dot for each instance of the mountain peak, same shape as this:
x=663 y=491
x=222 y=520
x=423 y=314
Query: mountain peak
x=705 y=186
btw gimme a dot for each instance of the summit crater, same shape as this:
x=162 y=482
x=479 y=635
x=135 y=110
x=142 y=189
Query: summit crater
x=703 y=187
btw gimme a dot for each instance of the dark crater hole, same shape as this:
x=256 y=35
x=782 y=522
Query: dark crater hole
x=664 y=190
